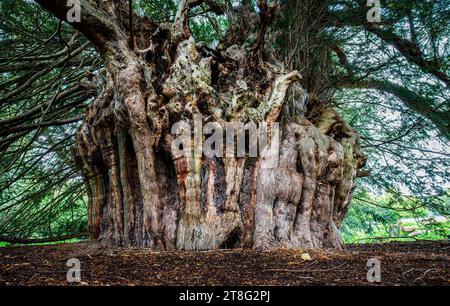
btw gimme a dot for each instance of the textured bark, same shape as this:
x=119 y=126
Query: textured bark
x=144 y=193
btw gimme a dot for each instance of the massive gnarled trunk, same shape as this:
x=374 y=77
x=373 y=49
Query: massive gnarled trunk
x=143 y=192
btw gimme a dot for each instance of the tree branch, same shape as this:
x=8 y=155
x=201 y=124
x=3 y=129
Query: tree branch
x=410 y=51
x=98 y=27
x=413 y=101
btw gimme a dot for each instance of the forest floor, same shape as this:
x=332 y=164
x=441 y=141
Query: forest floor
x=408 y=263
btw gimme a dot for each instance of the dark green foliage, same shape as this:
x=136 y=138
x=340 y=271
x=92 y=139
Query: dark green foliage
x=383 y=218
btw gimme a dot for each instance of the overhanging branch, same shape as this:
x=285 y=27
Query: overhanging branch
x=356 y=17
x=410 y=51
x=412 y=100
x=98 y=27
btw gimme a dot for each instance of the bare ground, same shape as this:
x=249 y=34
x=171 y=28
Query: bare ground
x=410 y=263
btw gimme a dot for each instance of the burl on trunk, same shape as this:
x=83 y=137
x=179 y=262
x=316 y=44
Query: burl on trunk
x=143 y=193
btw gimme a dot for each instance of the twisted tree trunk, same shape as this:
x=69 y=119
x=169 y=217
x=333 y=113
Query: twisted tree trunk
x=143 y=192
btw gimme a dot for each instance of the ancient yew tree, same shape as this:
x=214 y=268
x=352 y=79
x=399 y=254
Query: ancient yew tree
x=142 y=192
